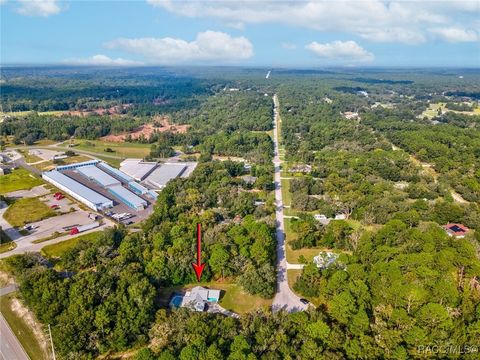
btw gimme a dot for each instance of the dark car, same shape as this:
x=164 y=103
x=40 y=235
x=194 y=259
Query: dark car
x=304 y=301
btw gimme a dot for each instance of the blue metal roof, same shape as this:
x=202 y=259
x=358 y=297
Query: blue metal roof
x=94 y=173
x=77 y=165
x=76 y=187
x=126 y=195
x=137 y=187
x=115 y=172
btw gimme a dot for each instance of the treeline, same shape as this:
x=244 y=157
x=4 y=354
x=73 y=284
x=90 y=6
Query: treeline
x=227 y=124
x=33 y=127
x=92 y=88
x=453 y=151
x=403 y=287
x=103 y=293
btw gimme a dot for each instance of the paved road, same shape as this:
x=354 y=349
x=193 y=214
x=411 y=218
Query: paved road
x=8 y=289
x=284 y=298
x=11 y=232
x=10 y=347
x=25 y=244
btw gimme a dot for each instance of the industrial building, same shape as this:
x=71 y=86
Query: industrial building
x=77 y=165
x=137 y=168
x=159 y=178
x=78 y=191
x=127 y=197
x=93 y=173
x=115 y=173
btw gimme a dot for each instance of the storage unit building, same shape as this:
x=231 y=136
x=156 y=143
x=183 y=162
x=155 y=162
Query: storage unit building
x=93 y=173
x=115 y=172
x=137 y=188
x=137 y=168
x=78 y=191
x=127 y=197
x=162 y=175
x=77 y=165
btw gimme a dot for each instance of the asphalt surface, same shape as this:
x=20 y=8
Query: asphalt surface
x=284 y=299
x=10 y=347
x=8 y=289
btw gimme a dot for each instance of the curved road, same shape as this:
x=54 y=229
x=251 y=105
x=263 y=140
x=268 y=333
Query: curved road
x=284 y=298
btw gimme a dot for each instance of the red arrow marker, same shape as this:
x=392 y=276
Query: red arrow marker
x=198 y=267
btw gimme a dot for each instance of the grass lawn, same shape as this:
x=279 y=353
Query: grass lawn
x=56 y=250
x=120 y=149
x=286 y=195
x=7 y=246
x=19 y=179
x=21 y=329
x=45 y=166
x=293 y=255
x=73 y=160
x=234 y=298
x=27 y=210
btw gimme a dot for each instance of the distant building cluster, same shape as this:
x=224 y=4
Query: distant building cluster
x=155 y=175
x=99 y=185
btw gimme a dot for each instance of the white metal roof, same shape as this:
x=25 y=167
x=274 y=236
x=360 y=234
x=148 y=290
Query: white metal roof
x=94 y=173
x=137 y=168
x=75 y=186
x=166 y=172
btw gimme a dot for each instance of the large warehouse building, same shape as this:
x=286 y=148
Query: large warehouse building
x=93 y=173
x=159 y=178
x=127 y=197
x=137 y=168
x=78 y=191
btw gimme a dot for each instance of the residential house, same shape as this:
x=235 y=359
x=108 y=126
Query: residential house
x=456 y=230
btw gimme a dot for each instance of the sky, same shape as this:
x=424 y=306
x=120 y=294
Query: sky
x=319 y=33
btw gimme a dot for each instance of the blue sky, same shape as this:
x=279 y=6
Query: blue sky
x=266 y=33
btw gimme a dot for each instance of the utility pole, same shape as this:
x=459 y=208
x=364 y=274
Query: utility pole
x=51 y=342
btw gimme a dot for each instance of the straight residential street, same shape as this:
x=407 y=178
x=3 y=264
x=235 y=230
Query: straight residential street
x=284 y=298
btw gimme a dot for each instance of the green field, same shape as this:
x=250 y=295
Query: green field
x=19 y=179
x=124 y=150
x=286 y=194
x=56 y=250
x=21 y=329
x=27 y=210
x=7 y=246
x=234 y=298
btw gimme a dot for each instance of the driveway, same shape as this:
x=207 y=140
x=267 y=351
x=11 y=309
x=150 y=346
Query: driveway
x=284 y=299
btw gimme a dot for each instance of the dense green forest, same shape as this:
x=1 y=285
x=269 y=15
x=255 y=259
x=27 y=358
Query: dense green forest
x=400 y=281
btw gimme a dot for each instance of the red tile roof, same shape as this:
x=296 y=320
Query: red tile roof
x=456 y=229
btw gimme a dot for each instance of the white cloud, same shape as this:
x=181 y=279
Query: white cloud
x=374 y=20
x=101 y=60
x=348 y=51
x=455 y=34
x=38 y=7
x=288 y=46
x=209 y=46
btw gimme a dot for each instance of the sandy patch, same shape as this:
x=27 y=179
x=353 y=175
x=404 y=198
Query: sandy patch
x=147 y=130
x=28 y=317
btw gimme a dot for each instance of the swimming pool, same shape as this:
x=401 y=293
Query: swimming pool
x=176 y=301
